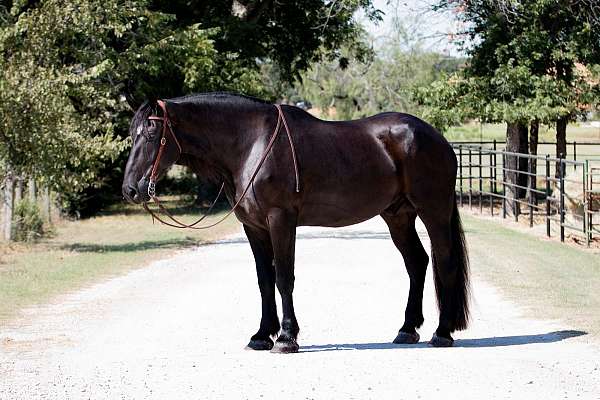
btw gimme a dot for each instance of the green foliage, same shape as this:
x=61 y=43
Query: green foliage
x=531 y=60
x=71 y=71
x=386 y=82
x=28 y=225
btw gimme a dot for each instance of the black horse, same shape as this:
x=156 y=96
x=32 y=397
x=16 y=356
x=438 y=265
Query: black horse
x=391 y=164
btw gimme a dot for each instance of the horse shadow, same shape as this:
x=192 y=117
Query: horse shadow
x=496 y=341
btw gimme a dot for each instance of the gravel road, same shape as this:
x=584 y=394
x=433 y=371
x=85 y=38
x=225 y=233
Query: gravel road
x=177 y=330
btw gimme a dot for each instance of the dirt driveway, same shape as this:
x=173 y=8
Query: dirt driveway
x=177 y=330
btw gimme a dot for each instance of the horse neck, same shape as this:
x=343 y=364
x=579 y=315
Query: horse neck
x=220 y=136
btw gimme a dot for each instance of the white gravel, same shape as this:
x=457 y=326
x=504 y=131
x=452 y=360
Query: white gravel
x=177 y=330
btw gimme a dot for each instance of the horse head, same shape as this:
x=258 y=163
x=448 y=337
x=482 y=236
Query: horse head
x=155 y=148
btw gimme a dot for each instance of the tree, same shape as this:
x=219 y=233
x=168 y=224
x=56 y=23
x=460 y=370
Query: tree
x=524 y=67
x=386 y=82
x=71 y=71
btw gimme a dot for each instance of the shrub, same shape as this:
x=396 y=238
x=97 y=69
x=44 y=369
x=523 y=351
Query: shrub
x=28 y=223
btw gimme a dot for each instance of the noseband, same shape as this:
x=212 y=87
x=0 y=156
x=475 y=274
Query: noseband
x=167 y=126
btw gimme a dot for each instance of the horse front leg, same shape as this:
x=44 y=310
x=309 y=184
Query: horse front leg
x=260 y=242
x=282 y=228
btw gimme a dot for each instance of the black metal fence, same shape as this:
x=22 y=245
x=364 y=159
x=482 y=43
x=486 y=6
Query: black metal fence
x=581 y=150
x=564 y=194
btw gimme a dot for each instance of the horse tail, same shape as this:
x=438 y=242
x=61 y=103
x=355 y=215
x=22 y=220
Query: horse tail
x=457 y=298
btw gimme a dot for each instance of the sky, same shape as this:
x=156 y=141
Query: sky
x=432 y=29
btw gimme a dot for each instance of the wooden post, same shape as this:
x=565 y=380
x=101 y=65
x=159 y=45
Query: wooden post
x=32 y=190
x=18 y=190
x=9 y=189
x=47 y=204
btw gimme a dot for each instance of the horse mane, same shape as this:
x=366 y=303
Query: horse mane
x=221 y=98
x=227 y=99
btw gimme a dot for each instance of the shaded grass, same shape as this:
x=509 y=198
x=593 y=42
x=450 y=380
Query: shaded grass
x=550 y=279
x=82 y=252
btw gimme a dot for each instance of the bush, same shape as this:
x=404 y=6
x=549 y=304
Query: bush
x=28 y=223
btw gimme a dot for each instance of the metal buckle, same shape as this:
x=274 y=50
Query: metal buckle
x=152 y=189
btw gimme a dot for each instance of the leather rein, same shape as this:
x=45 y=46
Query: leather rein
x=168 y=129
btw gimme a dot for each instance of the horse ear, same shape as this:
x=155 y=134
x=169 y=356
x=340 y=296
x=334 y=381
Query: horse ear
x=133 y=102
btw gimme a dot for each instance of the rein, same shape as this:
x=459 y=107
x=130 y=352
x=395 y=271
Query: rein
x=163 y=142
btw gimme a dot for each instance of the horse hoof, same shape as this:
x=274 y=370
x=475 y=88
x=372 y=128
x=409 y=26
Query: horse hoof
x=440 y=341
x=407 y=338
x=260 y=344
x=285 y=347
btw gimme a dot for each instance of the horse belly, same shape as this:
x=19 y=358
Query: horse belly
x=348 y=198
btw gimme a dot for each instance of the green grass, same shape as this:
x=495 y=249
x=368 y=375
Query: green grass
x=487 y=132
x=82 y=252
x=551 y=280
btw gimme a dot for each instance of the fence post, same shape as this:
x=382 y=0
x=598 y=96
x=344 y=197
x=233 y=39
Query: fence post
x=460 y=173
x=515 y=190
x=590 y=188
x=562 y=197
x=480 y=182
x=470 y=178
x=575 y=155
x=8 y=206
x=495 y=172
x=491 y=184
x=503 y=185
x=548 y=195
x=530 y=192
x=585 y=204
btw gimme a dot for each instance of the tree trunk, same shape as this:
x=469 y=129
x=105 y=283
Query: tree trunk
x=561 y=141
x=7 y=206
x=534 y=131
x=516 y=142
x=32 y=190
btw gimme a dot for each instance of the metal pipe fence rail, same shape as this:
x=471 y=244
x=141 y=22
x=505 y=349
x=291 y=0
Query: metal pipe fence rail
x=581 y=150
x=564 y=194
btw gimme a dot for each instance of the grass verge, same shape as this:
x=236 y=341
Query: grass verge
x=474 y=132
x=82 y=252
x=549 y=279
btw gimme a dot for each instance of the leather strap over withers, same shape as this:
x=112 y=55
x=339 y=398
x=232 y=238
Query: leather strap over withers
x=153 y=175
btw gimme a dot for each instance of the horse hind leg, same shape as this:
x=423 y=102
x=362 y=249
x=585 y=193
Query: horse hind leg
x=451 y=272
x=405 y=237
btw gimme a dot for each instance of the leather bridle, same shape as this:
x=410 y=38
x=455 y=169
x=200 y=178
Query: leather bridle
x=168 y=128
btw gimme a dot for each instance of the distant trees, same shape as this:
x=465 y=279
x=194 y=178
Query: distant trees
x=387 y=81
x=532 y=61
